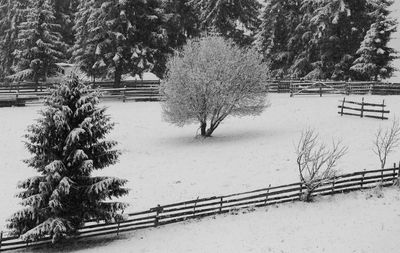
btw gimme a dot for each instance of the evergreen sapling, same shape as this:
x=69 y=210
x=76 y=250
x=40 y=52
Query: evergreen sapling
x=68 y=143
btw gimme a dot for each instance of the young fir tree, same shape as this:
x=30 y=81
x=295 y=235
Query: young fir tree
x=374 y=54
x=39 y=44
x=68 y=143
x=233 y=19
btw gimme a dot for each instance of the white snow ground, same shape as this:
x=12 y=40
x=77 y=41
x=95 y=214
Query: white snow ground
x=352 y=222
x=165 y=164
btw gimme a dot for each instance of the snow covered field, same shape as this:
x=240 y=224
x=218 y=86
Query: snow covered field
x=353 y=222
x=165 y=164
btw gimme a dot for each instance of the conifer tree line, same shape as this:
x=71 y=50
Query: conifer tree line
x=324 y=39
x=327 y=39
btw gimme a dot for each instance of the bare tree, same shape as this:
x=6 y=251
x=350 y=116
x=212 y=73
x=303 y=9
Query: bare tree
x=211 y=79
x=386 y=141
x=316 y=163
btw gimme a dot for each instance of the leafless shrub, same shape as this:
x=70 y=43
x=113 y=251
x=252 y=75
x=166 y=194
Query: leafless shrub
x=316 y=162
x=386 y=141
x=211 y=79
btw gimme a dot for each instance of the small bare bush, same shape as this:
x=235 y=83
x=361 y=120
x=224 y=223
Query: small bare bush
x=316 y=162
x=386 y=141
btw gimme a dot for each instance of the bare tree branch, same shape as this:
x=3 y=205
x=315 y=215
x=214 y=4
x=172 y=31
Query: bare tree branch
x=315 y=162
x=386 y=141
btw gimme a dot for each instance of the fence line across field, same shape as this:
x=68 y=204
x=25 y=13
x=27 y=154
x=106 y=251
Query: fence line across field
x=202 y=207
x=304 y=87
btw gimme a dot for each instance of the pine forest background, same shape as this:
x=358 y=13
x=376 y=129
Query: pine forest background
x=324 y=39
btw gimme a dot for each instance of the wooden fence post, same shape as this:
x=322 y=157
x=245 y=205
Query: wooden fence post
x=362 y=179
x=266 y=195
x=398 y=173
x=158 y=211
x=194 y=208
x=347 y=88
x=320 y=89
x=394 y=172
x=124 y=94
x=301 y=190
x=362 y=108
x=1 y=238
x=333 y=186
x=341 y=111
x=383 y=109
x=220 y=205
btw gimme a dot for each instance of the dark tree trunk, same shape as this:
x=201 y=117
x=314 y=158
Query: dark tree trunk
x=36 y=81
x=203 y=127
x=117 y=78
x=210 y=131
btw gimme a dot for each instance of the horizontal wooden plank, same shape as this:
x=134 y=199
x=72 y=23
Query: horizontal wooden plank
x=366 y=104
x=375 y=117
x=348 y=113
x=364 y=109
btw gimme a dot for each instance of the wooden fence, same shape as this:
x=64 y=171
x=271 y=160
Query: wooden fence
x=202 y=207
x=301 y=87
x=19 y=94
x=363 y=109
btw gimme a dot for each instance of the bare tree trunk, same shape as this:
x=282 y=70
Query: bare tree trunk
x=209 y=131
x=203 y=127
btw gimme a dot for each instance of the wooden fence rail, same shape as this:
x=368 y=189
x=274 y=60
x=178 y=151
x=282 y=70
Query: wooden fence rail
x=19 y=94
x=202 y=207
x=308 y=87
x=363 y=109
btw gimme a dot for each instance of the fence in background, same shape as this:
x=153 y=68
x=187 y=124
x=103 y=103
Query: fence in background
x=202 y=207
x=363 y=109
x=19 y=94
x=299 y=87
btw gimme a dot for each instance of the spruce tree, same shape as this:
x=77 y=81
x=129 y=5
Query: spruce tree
x=12 y=13
x=83 y=52
x=121 y=36
x=39 y=44
x=233 y=19
x=279 y=34
x=68 y=143
x=374 y=54
x=321 y=39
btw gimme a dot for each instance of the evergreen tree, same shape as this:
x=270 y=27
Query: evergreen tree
x=64 y=14
x=83 y=52
x=39 y=45
x=181 y=22
x=12 y=13
x=233 y=19
x=318 y=39
x=278 y=37
x=68 y=144
x=374 y=54
x=122 y=36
